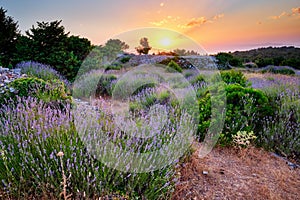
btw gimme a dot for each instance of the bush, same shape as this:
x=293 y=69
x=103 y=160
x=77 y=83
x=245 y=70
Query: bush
x=39 y=70
x=280 y=131
x=244 y=110
x=173 y=66
x=234 y=77
x=199 y=79
x=113 y=67
x=94 y=83
x=105 y=85
x=278 y=70
x=125 y=59
x=49 y=91
x=31 y=168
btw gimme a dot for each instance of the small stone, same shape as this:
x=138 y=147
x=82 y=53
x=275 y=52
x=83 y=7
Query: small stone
x=205 y=172
x=7 y=81
x=12 y=90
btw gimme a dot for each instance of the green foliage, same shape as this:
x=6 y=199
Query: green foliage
x=279 y=56
x=105 y=86
x=113 y=67
x=234 y=77
x=164 y=96
x=48 y=91
x=125 y=59
x=8 y=35
x=244 y=110
x=263 y=62
x=48 y=43
x=278 y=70
x=197 y=80
x=173 y=66
x=226 y=61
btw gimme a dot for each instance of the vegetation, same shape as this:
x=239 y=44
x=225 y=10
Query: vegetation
x=173 y=66
x=278 y=56
x=8 y=38
x=49 y=143
x=144 y=47
x=234 y=77
x=226 y=61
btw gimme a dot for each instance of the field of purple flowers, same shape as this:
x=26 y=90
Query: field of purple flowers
x=49 y=147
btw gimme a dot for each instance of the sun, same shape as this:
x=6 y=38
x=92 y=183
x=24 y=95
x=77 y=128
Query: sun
x=165 y=42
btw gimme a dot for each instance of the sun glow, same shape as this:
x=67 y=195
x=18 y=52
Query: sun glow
x=165 y=42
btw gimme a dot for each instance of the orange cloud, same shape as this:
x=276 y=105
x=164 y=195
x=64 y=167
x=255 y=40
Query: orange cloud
x=180 y=23
x=295 y=12
x=279 y=16
x=196 y=21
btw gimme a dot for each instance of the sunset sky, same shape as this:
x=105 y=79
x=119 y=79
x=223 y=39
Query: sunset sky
x=219 y=25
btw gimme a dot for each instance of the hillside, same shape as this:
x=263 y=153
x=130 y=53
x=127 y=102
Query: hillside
x=279 y=56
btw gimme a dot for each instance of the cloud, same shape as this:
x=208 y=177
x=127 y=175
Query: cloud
x=196 y=21
x=294 y=12
x=218 y=16
x=159 y=23
x=168 y=20
x=279 y=16
x=186 y=23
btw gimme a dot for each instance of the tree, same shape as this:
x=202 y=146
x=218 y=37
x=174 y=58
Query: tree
x=79 y=46
x=116 y=45
x=144 y=47
x=226 y=60
x=8 y=35
x=48 y=43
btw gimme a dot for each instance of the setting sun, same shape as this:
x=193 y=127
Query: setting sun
x=165 y=42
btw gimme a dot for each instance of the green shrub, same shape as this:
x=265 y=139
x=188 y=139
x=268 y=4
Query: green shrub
x=105 y=85
x=197 y=80
x=173 y=66
x=234 y=77
x=163 y=96
x=279 y=70
x=125 y=59
x=244 y=110
x=113 y=67
x=48 y=91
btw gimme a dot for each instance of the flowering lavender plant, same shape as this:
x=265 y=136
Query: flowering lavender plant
x=40 y=70
x=33 y=134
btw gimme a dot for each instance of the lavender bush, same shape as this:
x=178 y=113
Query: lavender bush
x=32 y=133
x=281 y=131
x=40 y=70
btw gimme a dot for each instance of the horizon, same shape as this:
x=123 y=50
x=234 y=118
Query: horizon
x=219 y=26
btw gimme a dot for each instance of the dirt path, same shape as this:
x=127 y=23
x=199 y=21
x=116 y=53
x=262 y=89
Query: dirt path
x=234 y=174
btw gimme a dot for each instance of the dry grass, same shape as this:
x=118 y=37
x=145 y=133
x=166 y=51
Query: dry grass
x=237 y=174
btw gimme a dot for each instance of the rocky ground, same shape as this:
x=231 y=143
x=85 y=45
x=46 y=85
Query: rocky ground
x=7 y=76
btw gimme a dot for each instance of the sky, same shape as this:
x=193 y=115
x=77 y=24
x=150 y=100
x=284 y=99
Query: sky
x=215 y=25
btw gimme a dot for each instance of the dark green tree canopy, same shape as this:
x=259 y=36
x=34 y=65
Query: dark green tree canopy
x=8 y=36
x=49 y=43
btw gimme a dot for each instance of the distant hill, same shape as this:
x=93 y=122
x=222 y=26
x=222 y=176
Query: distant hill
x=279 y=56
